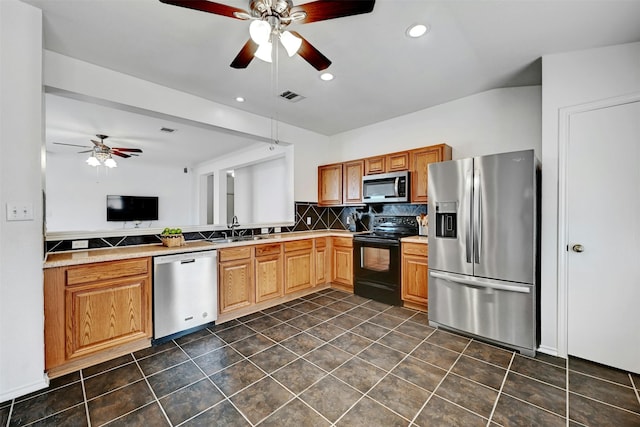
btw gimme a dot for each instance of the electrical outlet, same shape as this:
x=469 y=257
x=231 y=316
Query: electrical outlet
x=277 y=230
x=348 y=220
x=308 y=220
x=80 y=244
x=264 y=231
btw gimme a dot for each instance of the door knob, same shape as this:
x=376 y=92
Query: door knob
x=577 y=248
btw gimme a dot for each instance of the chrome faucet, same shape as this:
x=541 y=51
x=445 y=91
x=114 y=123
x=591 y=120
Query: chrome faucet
x=234 y=224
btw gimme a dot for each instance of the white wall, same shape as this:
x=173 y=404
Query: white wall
x=21 y=243
x=76 y=193
x=571 y=79
x=494 y=121
x=262 y=192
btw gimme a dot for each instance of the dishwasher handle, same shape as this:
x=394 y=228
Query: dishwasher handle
x=184 y=258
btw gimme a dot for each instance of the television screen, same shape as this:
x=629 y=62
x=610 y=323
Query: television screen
x=132 y=208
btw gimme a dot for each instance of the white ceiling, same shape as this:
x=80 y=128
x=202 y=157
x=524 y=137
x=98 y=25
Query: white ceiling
x=380 y=73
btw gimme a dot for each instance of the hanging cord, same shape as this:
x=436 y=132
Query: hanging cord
x=274 y=89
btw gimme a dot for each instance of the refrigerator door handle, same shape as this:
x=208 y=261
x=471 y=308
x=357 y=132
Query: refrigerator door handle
x=477 y=217
x=480 y=283
x=467 y=217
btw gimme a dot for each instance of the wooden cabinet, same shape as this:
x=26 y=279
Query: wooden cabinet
x=235 y=278
x=268 y=272
x=299 y=265
x=397 y=162
x=420 y=160
x=330 y=185
x=323 y=266
x=415 y=275
x=352 y=185
x=342 y=262
x=95 y=308
x=393 y=162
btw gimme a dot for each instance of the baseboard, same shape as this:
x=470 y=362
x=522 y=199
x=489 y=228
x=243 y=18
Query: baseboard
x=551 y=351
x=25 y=389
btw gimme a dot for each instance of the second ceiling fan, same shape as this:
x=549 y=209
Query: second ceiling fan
x=270 y=20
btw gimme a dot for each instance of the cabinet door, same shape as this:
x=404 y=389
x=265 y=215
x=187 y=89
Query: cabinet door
x=374 y=165
x=342 y=266
x=268 y=277
x=330 y=185
x=111 y=313
x=352 y=186
x=235 y=284
x=414 y=279
x=420 y=160
x=299 y=270
x=397 y=162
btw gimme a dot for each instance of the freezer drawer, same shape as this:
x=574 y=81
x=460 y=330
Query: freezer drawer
x=502 y=312
x=185 y=292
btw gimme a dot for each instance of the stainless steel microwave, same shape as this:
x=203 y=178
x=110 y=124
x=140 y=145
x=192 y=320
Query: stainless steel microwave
x=386 y=188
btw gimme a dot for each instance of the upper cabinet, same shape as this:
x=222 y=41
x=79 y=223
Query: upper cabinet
x=420 y=159
x=393 y=162
x=352 y=186
x=341 y=183
x=330 y=185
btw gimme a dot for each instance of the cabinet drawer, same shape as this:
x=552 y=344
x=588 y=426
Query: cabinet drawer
x=419 y=249
x=230 y=254
x=345 y=242
x=272 y=249
x=298 y=245
x=106 y=270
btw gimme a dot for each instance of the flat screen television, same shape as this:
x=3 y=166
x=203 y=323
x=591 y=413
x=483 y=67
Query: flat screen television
x=132 y=208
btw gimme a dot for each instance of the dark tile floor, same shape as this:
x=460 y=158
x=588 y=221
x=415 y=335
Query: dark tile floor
x=332 y=359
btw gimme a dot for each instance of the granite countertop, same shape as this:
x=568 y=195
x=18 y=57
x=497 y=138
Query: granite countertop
x=415 y=239
x=62 y=259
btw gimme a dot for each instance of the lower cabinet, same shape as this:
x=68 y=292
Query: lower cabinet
x=323 y=265
x=235 y=278
x=342 y=262
x=93 y=308
x=415 y=268
x=299 y=265
x=268 y=272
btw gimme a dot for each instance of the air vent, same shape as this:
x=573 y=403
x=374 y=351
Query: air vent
x=167 y=130
x=291 y=96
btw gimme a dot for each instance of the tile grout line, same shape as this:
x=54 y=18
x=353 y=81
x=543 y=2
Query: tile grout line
x=84 y=395
x=504 y=380
x=387 y=373
x=13 y=401
x=153 y=393
x=635 y=388
x=441 y=381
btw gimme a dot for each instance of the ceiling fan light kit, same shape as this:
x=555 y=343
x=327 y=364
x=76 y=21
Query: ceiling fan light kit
x=271 y=17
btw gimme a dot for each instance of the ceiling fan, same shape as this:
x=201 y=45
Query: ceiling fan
x=102 y=153
x=270 y=20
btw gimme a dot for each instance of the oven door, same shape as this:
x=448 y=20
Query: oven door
x=376 y=269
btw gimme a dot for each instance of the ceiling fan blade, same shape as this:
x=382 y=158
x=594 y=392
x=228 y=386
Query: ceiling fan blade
x=321 y=10
x=86 y=151
x=129 y=150
x=311 y=54
x=71 y=145
x=245 y=55
x=209 y=6
x=116 y=153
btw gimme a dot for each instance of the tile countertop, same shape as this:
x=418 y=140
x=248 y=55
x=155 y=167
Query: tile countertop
x=63 y=259
x=415 y=239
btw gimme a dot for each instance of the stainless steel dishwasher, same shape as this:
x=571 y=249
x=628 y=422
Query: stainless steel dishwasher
x=185 y=292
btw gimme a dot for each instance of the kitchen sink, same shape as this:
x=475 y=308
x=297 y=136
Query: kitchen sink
x=237 y=239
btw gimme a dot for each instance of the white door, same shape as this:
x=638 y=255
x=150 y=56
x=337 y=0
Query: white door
x=603 y=202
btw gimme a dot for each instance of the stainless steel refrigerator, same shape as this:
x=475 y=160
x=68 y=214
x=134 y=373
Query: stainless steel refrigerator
x=483 y=247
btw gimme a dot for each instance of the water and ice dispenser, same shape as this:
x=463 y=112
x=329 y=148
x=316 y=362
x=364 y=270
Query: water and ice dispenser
x=447 y=219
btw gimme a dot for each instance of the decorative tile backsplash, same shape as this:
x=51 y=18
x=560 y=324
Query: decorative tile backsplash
x=309 y=216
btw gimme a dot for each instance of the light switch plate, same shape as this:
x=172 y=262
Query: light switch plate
x=308 y=220
x=80 y=244
x=18 y=211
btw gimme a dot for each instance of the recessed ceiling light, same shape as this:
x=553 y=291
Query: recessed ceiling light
x=417 y=30
x=239 y=99
x=326 y=76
